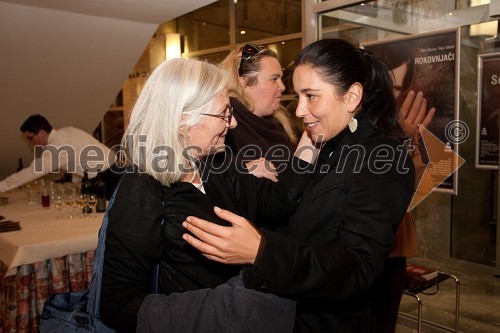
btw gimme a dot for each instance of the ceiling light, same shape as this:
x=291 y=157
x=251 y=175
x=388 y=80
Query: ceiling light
x=485 y=29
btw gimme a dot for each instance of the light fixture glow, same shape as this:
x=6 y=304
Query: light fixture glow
x=172 y=46
x=485 y=29
x=475 y=3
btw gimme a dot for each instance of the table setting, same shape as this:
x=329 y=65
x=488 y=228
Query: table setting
x=44 y=249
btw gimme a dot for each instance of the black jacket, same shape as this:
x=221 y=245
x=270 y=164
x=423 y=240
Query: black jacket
x=256 y=137
x=145 y=229
x=339 y=235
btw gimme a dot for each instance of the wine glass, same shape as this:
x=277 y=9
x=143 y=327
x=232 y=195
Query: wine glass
x=70 y=200
x=81 y=203
x=59 y=204
x=91 y=201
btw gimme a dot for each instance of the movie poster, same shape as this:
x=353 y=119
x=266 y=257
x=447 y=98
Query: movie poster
x=428 y=63
x=488 y=109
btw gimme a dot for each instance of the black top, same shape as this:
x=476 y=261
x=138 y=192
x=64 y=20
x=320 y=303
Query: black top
x=256 y=137
x=136 y=238
x=341 y=232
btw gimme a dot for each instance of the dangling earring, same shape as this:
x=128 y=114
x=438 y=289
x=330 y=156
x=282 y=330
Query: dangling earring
x=353 y=123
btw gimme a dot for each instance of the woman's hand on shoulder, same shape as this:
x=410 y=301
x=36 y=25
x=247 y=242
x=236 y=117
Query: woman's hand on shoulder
x=262 y=168
x=307 y=150
x=237 y=244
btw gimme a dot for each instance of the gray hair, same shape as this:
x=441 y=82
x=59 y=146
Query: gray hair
x=176 y=87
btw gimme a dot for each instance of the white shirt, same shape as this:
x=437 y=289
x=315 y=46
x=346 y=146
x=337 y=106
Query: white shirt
x=69 y=149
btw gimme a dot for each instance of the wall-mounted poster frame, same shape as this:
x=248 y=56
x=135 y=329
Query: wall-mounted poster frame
x=488 y=109
x=433 y=67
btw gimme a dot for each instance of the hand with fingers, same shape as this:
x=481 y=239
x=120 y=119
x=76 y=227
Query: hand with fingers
x=229 y=245
x=262 y=168
x=413 y=112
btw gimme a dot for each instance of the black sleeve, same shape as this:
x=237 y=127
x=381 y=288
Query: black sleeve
x=133 y=248
x=267 y=201
x=372 y=209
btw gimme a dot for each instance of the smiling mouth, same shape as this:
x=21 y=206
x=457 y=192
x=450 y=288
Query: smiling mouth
x=311 y=125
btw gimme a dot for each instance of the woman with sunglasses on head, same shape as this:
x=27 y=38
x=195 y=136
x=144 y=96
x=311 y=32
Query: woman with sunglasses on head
x=264 y=130
x=181 y=116
x=336 y=241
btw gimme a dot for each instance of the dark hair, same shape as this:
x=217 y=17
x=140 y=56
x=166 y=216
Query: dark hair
x=341 y=64
x=35 y=123
x=395 y=55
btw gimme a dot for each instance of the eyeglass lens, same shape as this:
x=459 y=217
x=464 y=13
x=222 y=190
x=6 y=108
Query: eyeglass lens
x=225 y=115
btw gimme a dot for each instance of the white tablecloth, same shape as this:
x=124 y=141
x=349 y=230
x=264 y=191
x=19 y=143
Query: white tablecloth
x=43 y=235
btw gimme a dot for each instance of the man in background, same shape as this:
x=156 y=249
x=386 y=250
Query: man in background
x=69 y=149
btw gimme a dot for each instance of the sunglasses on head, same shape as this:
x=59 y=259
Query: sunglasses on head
x=248 y=51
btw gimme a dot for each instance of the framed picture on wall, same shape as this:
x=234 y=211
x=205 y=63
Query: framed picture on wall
x=429 y=63
x=488 y=109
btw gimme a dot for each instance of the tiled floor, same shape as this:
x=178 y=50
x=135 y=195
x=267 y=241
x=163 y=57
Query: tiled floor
x=479 y=301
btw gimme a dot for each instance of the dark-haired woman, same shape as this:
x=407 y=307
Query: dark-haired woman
x=336 y=241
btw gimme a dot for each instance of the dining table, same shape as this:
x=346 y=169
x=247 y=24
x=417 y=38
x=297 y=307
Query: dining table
x=51 y=253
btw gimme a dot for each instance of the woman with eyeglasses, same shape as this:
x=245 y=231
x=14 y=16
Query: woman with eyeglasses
x=264 y=130
x=183 y=115
x=335 y=243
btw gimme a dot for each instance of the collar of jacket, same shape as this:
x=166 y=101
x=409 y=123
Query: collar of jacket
x=345 y=137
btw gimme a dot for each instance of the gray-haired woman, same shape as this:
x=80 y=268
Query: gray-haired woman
x=181 y=116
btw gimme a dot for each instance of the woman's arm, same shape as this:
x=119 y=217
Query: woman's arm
x=264 y=202
x=374 y=206
x=346 y=266
x=307 y=150
x=133 y=248
x=262 y=168
x=270 y=200
x=248 y=237
x=285 y=266
x=237 y=244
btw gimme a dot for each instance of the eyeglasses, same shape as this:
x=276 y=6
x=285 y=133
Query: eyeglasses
x=248 y=51
x=225 y=115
